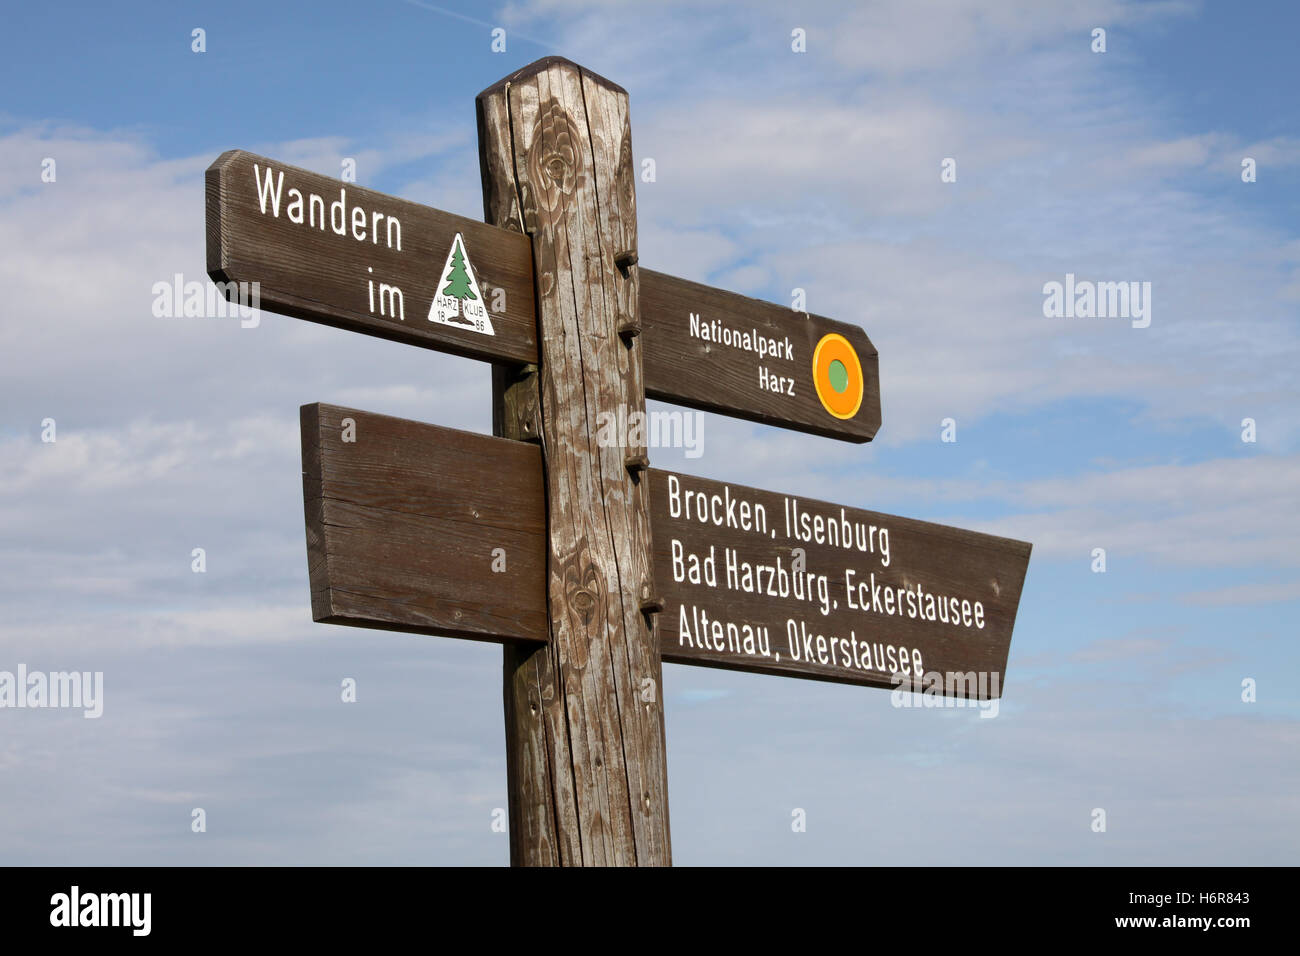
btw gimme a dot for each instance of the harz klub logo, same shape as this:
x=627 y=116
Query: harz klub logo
x=458 y=301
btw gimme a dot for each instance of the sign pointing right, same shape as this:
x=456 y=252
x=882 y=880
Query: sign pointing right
x=760 y=581
x=745 y=358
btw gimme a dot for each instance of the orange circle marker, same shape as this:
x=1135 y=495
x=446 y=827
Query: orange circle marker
x=837 y=375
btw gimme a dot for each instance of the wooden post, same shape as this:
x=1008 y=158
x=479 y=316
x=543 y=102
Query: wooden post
x=586 y=761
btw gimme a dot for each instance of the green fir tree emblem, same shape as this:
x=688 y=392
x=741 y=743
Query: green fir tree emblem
x=460 y=303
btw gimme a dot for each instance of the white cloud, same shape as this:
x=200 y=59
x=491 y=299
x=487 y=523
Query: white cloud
x=1256 y=592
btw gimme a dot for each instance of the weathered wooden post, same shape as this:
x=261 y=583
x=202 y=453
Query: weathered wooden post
x=586 y=763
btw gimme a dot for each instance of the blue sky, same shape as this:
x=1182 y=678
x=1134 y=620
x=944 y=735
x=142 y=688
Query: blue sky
x=775 y=170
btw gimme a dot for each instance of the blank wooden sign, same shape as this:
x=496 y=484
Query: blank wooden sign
x=414 y=527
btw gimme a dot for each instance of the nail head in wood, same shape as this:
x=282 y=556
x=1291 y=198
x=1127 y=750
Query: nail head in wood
x=625 y=260
x=630 y=328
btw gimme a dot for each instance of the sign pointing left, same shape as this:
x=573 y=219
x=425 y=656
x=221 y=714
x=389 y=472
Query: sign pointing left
x=358 y=259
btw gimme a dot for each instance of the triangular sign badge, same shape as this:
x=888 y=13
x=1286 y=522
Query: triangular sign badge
x=458 y=301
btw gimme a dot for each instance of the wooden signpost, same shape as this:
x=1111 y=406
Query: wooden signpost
x=590 y=567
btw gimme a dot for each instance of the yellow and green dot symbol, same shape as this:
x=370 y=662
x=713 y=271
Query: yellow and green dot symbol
x=837 y=374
